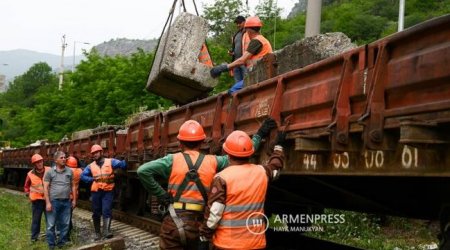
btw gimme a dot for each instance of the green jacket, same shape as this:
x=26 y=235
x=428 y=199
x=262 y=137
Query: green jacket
x=162 y=167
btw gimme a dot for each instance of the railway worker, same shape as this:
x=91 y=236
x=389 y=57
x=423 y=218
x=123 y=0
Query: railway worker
x=72 y=163
x=256 y=47
x=237 y=49
x=34 y=189
x=100 y=173
x=58 y=184
x=237 y=196
x=189 y=175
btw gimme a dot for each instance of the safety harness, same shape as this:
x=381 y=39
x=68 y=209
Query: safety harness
x=191 y=176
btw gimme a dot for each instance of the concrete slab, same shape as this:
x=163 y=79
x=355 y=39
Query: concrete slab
x=176 y=73
x=300 y=54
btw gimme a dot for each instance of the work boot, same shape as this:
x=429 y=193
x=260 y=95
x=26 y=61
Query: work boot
x=98 y=235
x=106 y=228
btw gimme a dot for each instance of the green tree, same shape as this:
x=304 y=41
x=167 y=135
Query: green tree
x=267 y=10
x=23 y=88
x=221 y=15
x=101 y=90
x=269 y=13
x=17 y=105
x=112 y=88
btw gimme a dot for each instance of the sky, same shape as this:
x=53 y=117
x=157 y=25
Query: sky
x=40 y=25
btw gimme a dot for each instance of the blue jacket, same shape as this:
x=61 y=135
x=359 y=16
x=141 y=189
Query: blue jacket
x=86 y=175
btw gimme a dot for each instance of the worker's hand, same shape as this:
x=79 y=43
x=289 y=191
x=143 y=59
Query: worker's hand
x=74 y=204
x=217 y=70
x=281 y=139
x=48 y=207
x=165 y=199
x=266 y=126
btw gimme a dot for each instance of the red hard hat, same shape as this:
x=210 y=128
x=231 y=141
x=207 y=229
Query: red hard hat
x=191 y=131
x=96 y=148
x=72 y=162
x=239 y=144
x=253 y=21
x=35 y=158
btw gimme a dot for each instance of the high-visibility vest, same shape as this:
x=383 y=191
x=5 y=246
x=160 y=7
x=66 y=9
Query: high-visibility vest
x=206 y=172
x=204 y=56
x=76 y=179
x=37 y=185
x=266 y=49
x=245 y=42
x=243 y=225
x=103 y=176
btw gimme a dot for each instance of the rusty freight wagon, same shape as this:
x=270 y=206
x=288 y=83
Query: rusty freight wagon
x=368 y=130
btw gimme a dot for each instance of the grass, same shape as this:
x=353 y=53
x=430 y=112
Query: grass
x=15 y=226
x=379 y=232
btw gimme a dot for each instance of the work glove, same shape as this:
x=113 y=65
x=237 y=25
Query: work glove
x=165 y=200
x=217 y=70
x=267 y=125
x=281 y=139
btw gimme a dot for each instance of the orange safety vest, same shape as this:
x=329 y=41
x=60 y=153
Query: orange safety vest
x=37 y=185
x=204 y=56
x=246 y=187
x=266 y=49
x=206 y=172
x=103 y=176
x=245 y=42
x=76 y=179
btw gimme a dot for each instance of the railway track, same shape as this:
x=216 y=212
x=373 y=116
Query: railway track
x=134 y=237
x=275 y=241
x=148 y=225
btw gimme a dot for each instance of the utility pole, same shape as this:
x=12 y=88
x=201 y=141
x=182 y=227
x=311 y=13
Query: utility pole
x=401 y=15
x=74 y=46
x=61 y=69
x=313 y=12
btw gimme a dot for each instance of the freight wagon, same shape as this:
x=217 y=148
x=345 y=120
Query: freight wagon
x=368 y=130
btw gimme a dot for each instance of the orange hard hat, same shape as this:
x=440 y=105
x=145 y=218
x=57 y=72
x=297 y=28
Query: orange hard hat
x=191 y=131
x=253 y=21
x=239 y=144
x=35 y=158
x=72 y=162
x=96 y=148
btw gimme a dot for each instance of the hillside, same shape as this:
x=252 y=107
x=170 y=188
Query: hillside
x=300 y=7
x=20 y=60
x=125 y=47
